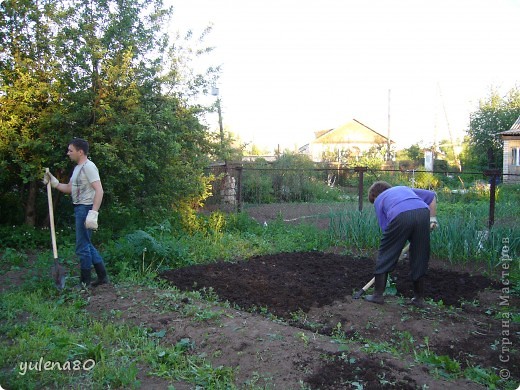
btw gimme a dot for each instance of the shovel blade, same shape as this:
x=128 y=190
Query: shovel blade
x=358 y=294
x=58 y=275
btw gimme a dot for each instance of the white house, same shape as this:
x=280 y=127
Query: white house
x=353 y=137
x=511 y=154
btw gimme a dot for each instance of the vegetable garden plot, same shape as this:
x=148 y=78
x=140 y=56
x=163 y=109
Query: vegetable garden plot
x=288 y=282
x=313 y=290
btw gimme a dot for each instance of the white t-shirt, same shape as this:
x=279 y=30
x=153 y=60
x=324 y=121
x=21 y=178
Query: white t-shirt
x=82 y=177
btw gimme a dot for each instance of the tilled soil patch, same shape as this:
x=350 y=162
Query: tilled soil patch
x=313 y=291
x=288 y=282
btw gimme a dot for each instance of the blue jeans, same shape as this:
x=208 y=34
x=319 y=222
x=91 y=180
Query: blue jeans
x=88 y=255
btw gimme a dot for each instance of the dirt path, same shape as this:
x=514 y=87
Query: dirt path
x=317 y=214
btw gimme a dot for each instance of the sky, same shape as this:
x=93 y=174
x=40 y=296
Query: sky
x=413 y=69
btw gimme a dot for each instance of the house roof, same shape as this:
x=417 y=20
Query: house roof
x=514 y=130
x=352 y=131
x=319 y=133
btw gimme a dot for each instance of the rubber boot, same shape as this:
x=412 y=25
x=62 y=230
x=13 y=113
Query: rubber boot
x=379 y=289
x=101 y=272
x=84 y=280
x=418 y=293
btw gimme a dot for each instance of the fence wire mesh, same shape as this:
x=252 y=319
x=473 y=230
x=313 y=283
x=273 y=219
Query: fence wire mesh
x=264 y=185
x=478 y=211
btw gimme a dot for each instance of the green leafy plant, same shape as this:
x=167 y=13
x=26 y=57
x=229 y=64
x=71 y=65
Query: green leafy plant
x=12 y=257
x=24 y=237
x=426 y=180
x=358 y=229
x=338 y=334
x=390 y=288
x=444 y=364
x=404 y=341
x=485 y=377
x=303 y=337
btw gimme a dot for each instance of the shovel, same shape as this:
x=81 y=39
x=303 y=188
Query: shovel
x=358 y=295
x=57 y=270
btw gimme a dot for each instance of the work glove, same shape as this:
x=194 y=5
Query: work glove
x=91 y=221
x=434 y=224
x=48 y=177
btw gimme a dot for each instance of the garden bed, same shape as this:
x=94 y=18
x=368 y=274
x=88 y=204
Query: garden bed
x=373 y=345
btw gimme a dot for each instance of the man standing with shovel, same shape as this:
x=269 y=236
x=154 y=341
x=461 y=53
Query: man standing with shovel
x=87 y=194
x=404 y=214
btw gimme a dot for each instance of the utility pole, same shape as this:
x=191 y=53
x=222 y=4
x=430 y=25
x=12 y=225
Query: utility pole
x=388 y=154
x=453 y=147
x=220 y=122
x=215 y=92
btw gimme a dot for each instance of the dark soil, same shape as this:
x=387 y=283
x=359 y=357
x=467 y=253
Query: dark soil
x=313 y=291
x=344 y=370
x=287 y=282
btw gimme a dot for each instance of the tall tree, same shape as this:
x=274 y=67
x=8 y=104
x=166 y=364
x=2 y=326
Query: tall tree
x=30 y=94
x=495 y=114
x=105 y=71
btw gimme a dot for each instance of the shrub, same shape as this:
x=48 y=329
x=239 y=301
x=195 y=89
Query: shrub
x=291 y=178
x=25 y=237
x=12 y=257
x=426 y=180
x=257 y=187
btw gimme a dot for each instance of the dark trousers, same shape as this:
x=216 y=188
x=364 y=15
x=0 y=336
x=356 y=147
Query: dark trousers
x=413 y=226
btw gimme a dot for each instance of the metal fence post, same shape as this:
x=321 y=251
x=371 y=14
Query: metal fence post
x=239 y=188
x=360 y=171
x=493 y=174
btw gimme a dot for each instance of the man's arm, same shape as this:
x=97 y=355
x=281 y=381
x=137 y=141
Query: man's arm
x=98 y=198
x=55 y=183
x=65 y=188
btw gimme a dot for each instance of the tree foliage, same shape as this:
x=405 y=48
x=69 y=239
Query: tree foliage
x=105 y=71
x=373 y=158
x=415 y=152
x=495 y=114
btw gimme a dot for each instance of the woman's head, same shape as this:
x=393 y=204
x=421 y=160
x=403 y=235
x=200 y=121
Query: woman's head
x=376 y=189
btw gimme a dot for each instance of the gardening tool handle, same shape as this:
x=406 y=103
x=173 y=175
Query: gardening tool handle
x=51 y=217
x=364 y=289
x=405 y=251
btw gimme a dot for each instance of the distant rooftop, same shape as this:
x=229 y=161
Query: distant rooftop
x=514 y=130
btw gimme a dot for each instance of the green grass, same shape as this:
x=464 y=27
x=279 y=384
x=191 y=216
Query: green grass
x=355 y=229
x=240 y=237
x=237 y=236
x=459 y=238
x=36 y=322
x=91 y=353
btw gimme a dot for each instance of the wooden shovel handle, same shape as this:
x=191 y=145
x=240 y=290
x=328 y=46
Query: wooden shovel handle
x=51 y=217
x=371 y=281
x=369 y=284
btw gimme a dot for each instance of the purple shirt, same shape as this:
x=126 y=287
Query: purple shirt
x=396 y=200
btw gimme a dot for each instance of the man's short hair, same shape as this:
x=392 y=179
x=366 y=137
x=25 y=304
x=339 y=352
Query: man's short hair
x=80 y=144
x=376 y=189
